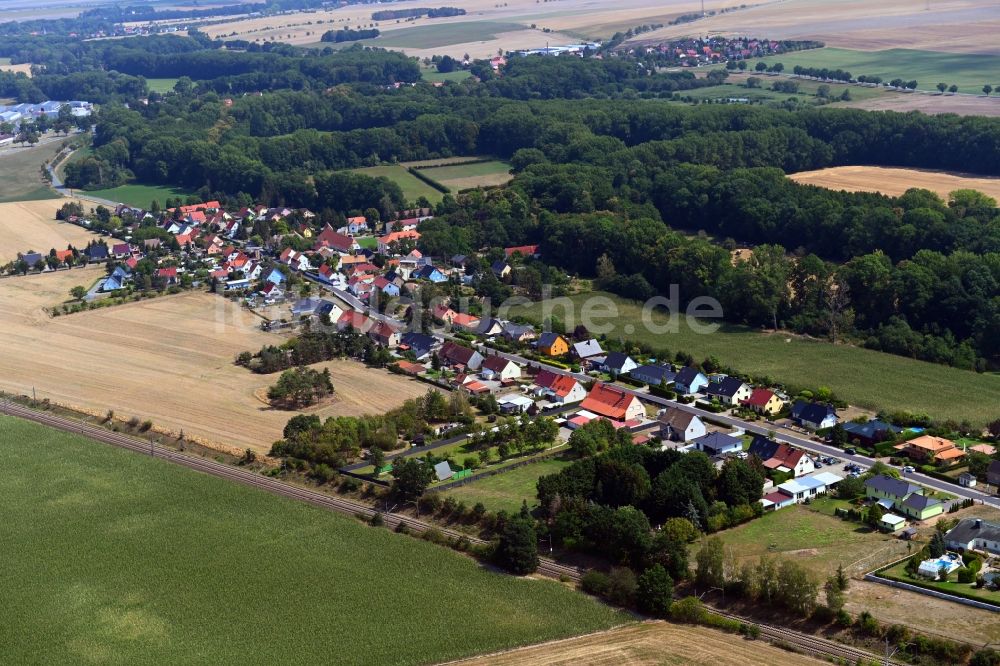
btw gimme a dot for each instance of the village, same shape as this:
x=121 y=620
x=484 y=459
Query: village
x=366 y=276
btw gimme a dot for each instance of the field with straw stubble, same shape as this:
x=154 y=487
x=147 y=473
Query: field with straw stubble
x=862 y=377
x=893 y=181
x=649 y=644
x=168 y=359
x=31 y=225
x=128 y=559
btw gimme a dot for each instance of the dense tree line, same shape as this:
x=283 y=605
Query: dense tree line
x=348 y=35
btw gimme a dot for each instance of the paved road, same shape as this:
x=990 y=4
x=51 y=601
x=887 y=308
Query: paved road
x=782 y=434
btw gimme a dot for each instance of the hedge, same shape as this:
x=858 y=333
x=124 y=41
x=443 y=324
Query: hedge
x=430 y=181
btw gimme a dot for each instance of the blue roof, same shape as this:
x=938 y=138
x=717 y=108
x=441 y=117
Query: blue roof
x=276 y=276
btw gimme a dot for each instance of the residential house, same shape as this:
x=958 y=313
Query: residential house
x=429 y=272
x=931 y=448
x=274 y=277
x=764 y=401
x=872 y=432
x=618 y=363
x=523 y=250
x=97 y=252
x=121 y=250
x=902 y=496
x=31 y=259
x=780 y=457
x=587 y=348
x=678 y=425
x=328 y=237
x=330 y=310
x=689 y=381
x=814 y=415
x=515 y=404
x=387 y=243
x=419 y=344
x=890 y=522
x=518 y=332
x=552 y=344
x=501 y=269
x=717 y=444
x=384 y=334
x=305 y=307
x=357 y=225
x=795 y=491
x=967 y=480
x=613 y=403
x=500 y=369
x=271 y=292
x=489 y=327
x=386 y=287
x=974 y=534
x=465 y=322
x=168 y=275
x=993 y=473
x=559 y=387
x=454 y=354
x=356 y=321
x=729 y=390
x=296 y=260
x=654 y=375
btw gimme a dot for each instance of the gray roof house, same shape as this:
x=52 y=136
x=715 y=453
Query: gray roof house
x=587 y=348
x=974 y=534
x=680 y=425
x=718 y=443
x=655 y=375
x=618 y=363
x=993 y=473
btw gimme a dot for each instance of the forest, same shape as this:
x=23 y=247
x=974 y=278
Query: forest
x=613 y=183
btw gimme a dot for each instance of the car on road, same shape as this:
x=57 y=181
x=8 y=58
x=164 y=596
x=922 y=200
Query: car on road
x=908 y=469
x=851 y=451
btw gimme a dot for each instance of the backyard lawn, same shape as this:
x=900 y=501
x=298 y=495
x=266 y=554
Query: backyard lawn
x=815 y=539
x=862 y=377
x=898 y=572
x=123 y=558
x=508 y=490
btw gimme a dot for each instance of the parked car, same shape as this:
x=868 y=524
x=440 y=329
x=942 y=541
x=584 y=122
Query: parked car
x=818 y=464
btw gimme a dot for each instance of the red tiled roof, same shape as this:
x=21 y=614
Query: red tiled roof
x=608 y=401
x=524 y=250
x=759 y=397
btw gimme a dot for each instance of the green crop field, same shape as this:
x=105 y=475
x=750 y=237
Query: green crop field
x=966 y=70
x=807 y=91
x=21 y=175
x=139 y=195
x=443 y=34
x=161 y=85
x=116 y=557
x=412 y=186
x=508 y=490
x=860 y=376
x=444 y=174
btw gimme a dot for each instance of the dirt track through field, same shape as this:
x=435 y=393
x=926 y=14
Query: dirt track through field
x=647 y=644
x=168 y=359
x=894 y=181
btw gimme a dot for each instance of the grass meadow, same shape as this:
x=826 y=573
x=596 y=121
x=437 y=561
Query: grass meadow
x=966 y=70
x=818 y=541
x=412 y=186
x=862 y=377
x=138 y=195
x=21 y=175
x=121 y=558
x=474 y=174
x=508 y=490
x=161 y=85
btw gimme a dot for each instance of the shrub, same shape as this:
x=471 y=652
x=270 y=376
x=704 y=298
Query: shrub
x=594 y=582
x=688 y=609
x=622 y=586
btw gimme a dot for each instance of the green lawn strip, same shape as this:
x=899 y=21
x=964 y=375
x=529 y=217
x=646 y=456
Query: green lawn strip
x=969 y=71
x=862 y=377
x=412 y=186
x=21 y=172
x=130 y=559
x=506 y=491
x=898 y=573
x=369 y=242
x=434 y=76
x=161 y=85
x=138 y=195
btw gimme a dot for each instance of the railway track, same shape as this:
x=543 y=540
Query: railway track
x=547 y=567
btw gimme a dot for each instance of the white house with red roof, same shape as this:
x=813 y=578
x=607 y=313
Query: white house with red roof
x=386 y=242
x=613 y=403
x=559 y=387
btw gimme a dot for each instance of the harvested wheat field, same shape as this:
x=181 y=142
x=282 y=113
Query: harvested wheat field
x=649 y=643
x=168 y=359
x=959 y=26
x=31 y=225
x=894 y=181
x=963 y=105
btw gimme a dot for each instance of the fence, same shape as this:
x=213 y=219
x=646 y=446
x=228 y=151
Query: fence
x=875 y=578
